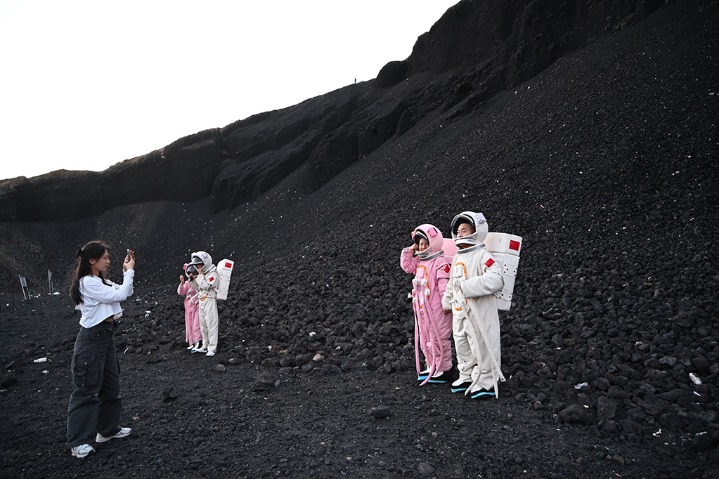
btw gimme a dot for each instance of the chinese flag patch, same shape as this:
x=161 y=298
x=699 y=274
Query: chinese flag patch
x=489 y=263
x=446 y=268
x=513 y=244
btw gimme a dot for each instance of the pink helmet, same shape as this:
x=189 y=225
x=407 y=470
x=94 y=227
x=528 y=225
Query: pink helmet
x=432 y=234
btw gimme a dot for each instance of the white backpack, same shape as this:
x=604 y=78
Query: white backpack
x=224 y=270
x=505 y=249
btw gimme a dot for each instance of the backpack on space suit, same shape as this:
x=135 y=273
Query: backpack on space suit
x=504 y=248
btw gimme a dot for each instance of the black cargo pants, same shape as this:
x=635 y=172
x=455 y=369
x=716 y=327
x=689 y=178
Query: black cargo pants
x=95 y=402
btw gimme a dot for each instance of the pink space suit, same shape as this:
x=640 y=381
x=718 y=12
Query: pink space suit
x=192 y=312
x=474 y=279
x=433 y=326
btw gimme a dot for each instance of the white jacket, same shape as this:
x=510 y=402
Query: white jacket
x=100 y=301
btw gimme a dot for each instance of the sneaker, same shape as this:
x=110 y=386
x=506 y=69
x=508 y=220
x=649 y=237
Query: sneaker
x=442 y=378
x=210 y=353
x=198 y=350
x=422 y=375
x=482 y=394
x=82 y=451
x=191 y=346
x=460 y=386
x=123 y=432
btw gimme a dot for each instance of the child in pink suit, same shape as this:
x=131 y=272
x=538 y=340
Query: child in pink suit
x=433 y=326
x=192 y=305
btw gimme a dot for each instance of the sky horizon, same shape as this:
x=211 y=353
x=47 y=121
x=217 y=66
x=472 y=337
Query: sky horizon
x=91 y=84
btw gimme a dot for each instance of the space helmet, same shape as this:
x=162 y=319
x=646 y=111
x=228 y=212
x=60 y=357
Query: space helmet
x=201 y=258
x=433 y=236
x=478 y=222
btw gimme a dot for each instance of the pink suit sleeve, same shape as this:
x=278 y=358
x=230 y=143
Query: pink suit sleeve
x=408 y=262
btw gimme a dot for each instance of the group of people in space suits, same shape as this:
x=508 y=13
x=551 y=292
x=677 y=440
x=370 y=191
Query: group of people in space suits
x=200 y=292
x=454 y=298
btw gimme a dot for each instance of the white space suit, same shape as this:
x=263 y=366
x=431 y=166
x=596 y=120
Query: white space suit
x=474 y=279
x=206 y=284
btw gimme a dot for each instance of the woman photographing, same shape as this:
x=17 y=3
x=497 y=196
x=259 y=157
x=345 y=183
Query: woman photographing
x=95 y=402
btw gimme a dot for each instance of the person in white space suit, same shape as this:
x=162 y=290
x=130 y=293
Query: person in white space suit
x=206 y=283
x=474 y=278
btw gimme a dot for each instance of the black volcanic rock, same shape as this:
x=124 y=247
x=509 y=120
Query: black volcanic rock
x=605 y=163
x=498 y=44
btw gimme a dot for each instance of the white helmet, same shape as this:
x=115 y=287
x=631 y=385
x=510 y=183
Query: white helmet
x=202 y=258
x=478 y=222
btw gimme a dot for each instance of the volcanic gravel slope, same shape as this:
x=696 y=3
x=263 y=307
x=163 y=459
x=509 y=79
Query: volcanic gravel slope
x=605 y=164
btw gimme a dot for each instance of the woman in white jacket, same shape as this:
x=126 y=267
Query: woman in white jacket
x=95 y=402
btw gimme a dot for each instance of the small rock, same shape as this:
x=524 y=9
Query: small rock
x=168 y=395
x=574 y=413
x=380 y=412
x=703 y=442
x=425 y=470
x=8 y=381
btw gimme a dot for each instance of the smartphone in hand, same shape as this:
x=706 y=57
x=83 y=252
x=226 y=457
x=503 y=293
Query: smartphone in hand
x=131 y=253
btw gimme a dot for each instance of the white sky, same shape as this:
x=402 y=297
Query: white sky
x=85 y=84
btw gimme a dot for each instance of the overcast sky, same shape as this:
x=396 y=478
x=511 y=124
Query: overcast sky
x=87 y=84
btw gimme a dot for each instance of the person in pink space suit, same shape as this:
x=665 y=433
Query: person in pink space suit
x=426 y=260
x=192 y=307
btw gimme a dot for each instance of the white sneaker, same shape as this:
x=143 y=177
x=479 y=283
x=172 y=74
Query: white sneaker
x=210 y=353
x=123 y=432
x=199 y=350
x=82 y=451
x=191 y=346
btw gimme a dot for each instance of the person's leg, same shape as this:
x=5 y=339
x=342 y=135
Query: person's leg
x=196 y=333
x=213 y=322
x=466 y=361
x=489 y=346
x=110 y=400
x=87 y=376
x=203 y=324
x=444 y=342
x=188 y=323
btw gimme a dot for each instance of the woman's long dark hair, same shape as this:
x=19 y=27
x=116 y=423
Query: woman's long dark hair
x=92 y=250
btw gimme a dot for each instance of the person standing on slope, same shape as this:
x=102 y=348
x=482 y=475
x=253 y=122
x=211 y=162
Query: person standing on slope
x=426 y=260
x=474 y=279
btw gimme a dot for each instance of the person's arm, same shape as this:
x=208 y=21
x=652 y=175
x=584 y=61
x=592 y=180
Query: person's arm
x=489 y=282
x=183 y=287
x=448 y=297
x=94 y=288
x=206 y=282
x=408 y=261
x=443 y=277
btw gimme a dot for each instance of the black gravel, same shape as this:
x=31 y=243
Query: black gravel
x=606 y=165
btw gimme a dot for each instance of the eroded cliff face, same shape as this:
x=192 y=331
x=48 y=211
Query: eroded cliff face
x=475 y=50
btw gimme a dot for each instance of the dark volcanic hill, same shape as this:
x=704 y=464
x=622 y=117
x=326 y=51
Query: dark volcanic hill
x=588 y=128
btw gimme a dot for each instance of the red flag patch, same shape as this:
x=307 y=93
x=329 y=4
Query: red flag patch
x=446 y=268
x=489 y=263
x=513 y=244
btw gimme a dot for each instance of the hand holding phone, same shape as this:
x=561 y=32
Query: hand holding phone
x=129 y=260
